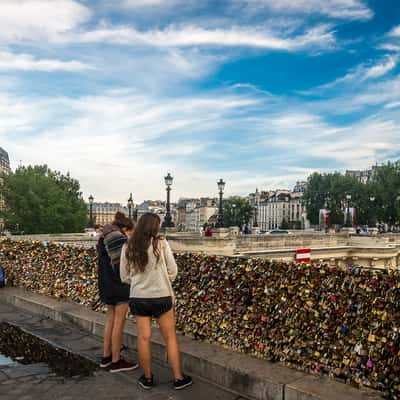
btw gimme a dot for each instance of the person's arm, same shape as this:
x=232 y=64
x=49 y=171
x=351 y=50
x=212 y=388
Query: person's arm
x=124 y=267
x=170 y=262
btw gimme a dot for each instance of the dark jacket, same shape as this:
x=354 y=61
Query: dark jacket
x=112 y=290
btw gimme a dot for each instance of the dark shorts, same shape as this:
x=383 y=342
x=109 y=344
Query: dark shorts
x=150 y=307
x=116 y=302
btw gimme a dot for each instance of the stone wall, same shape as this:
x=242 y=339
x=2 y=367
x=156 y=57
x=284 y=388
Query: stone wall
x=344 y=322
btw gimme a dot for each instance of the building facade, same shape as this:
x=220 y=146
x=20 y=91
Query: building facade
x=157 y=207
x=282 y=209
x=362 y=176
x=103 y=213
x=4 y=169
x=194 y=213
x=4 y=161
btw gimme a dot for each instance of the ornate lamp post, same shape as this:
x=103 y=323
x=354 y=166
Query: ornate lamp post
x=256 y=197
x=91 y=200
x=220 y=219
x=168 y=219
x=372 y=222
x=234 y=213
x=130 y=204
x=348 y=223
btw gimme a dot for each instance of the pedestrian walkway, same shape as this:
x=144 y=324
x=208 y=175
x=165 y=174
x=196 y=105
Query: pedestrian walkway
x=26 y=382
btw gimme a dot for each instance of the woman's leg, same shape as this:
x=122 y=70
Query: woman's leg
x=118 y=327
x=108 y=331
x=167 y=327
x=143 y=344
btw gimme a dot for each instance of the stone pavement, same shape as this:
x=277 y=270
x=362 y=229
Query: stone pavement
x=36 y=381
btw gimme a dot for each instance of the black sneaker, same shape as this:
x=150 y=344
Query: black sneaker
x=122 y=365
x=182 y=383
x=146 y=383
x=105 y=362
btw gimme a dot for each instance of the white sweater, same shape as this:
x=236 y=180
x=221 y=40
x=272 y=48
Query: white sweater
x=156 y=279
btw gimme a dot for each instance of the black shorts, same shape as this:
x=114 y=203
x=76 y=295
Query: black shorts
x=150 y=307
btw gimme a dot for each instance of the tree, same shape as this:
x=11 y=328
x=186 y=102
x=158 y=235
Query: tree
x=376 y=200
x=329 y=191
x=39 y=200
x=387 y=192
x=237 y=211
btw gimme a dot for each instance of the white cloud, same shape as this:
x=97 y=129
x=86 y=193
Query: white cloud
x=395 y=31
x=187 y=36
x=341 y=9
x=15 y=115
x=26 y=62
x=363 y=73
x=390 y=47
x=354 y=145
x=148 y=3
x=394 y=104
x=133 y=138
x=36 y=20
x=380 y=69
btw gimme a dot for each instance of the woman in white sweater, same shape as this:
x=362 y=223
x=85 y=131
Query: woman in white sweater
x=148 y=265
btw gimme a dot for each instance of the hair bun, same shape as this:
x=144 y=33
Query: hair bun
x=119 y=215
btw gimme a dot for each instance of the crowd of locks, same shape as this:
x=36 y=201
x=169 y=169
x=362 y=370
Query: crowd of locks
x=316 y=318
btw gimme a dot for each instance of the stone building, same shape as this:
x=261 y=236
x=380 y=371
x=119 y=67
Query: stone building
x=157 y=207
x=194 y=213
x=103 y=213
x=4 y=161
x=361 y=175
x=4 y=168
x=282 y=209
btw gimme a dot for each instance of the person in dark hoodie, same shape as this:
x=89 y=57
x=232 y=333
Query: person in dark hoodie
x=113 y=292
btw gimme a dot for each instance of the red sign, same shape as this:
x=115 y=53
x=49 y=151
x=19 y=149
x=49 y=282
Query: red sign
x=303 y=255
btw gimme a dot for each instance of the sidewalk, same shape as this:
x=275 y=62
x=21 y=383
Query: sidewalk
x=241 y=374
x=26 y=382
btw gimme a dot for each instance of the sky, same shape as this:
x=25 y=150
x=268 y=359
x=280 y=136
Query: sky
x=260 y=93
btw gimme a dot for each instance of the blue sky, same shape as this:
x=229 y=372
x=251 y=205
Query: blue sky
x=258 y=92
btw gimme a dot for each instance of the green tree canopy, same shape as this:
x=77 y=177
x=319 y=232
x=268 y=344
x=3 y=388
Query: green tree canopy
x=378 y=200
x=39 y=200
x=237 y=211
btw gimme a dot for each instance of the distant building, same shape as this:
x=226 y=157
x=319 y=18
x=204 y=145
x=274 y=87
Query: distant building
x=282 y=208
x=4 y=168
x=4 y=161
x=362 y=176
x=103 y=213
x=300 y=187
x=157 y=207
x=194 y=213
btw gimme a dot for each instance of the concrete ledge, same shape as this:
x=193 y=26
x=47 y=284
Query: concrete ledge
x=242 y=374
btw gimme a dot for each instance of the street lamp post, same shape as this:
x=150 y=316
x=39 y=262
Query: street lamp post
x=91 y=200
x=130 y=204
x=220 y=219
x=372 y=222
x=168 y=219
x=255 y=223
x=348 y=218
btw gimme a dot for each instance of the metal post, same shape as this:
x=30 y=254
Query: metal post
x=220 y=220
x=349 y=223
x=130 y=204
x=91 y=199
x=168 y=218
x=167 y=223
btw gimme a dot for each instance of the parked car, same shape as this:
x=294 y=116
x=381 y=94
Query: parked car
x=278 y=232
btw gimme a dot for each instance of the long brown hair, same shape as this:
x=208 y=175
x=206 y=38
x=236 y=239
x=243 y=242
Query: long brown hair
x=147 y=229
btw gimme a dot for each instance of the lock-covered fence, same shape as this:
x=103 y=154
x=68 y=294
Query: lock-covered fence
x=340 y=322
